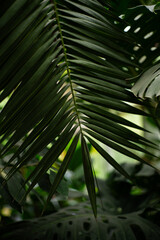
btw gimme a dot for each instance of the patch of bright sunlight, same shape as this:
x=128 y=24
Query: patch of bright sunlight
x=156 y=60
x=138 y=17
x=49 y=145
x=62 y=156
x=3 y=103
x=6 y=211
x=127 y=28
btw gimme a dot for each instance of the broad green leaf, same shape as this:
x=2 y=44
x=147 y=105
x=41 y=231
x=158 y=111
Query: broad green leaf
x=82 y=224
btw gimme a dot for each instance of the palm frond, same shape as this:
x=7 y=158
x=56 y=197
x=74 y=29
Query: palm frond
x=147 y=85
x=62 y=70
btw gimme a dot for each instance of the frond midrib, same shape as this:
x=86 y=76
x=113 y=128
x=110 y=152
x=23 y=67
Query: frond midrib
x=67 y=65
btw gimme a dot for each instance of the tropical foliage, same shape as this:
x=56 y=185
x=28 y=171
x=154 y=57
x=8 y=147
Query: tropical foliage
x=68 y=71
x=127 y=213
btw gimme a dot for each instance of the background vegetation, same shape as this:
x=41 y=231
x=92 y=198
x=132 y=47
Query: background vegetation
x=74 y=76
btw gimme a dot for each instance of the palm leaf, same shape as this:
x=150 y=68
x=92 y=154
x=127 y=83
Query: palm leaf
x=147 y=85
x=62 y=71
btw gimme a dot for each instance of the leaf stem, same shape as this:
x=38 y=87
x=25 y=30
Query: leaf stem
x=66 y=61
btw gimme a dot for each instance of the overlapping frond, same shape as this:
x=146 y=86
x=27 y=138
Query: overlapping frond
x=63 y=75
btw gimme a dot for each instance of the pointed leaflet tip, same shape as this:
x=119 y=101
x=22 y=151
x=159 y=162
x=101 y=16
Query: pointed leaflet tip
x=88 y=175
x=63 y=168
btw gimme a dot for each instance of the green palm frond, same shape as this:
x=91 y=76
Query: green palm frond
x=147 y=85
x=63 y=68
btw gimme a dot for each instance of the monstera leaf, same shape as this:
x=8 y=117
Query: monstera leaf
x=78 y=222
x=141 y=24
x=123 y=215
